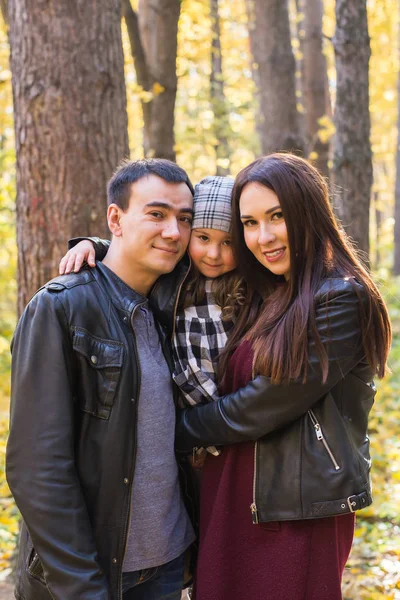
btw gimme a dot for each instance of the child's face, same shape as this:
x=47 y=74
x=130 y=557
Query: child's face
x=211 y=252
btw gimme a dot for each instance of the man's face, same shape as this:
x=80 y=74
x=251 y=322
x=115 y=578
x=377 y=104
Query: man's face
x=155 y=228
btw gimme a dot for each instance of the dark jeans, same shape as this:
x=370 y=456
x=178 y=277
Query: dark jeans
x=158 y=583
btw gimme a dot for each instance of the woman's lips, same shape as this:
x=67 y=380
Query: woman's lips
x=274 y=255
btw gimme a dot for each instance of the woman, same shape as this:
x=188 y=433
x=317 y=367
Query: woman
x=277 y=506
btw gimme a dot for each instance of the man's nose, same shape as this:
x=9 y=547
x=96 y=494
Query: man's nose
x=171 y=230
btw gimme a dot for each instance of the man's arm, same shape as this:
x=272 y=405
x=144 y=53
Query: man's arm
x=41 y=468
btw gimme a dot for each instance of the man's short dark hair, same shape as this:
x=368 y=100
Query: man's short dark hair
x=128 y=172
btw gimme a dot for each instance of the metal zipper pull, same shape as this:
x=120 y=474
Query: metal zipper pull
x=254 y=513
x=318 y=432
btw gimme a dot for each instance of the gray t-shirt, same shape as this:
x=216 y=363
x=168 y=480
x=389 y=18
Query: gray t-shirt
x=160 y=529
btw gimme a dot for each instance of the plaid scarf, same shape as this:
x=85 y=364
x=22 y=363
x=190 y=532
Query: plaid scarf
x=200 y=335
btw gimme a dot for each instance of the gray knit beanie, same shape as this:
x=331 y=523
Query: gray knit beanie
x=212 y=203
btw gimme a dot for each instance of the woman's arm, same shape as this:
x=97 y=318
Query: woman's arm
x=82 y=250
x=262 y=407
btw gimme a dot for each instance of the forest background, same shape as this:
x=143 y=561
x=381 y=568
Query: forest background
x=223 y=116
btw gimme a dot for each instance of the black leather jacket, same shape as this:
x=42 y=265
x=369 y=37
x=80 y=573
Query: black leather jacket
x=71 y=450
x=311 y=445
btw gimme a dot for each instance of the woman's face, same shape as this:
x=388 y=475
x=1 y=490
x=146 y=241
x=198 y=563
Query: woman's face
x=265 y=230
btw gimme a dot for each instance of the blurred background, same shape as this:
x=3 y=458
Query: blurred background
x=211 y=84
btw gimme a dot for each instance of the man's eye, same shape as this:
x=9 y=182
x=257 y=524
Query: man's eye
x=187 y=220
x=157 y=214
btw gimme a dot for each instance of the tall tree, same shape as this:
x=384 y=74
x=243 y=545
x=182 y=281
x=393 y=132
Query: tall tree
x=274 y=72
x=70 y=125
x=396 y=266
x=315 y=81
x=4 y=10
x=153 y=31
x=352 y=164
x=217 y=94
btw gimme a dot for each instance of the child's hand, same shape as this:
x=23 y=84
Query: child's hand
x=73 y=260
x=197 y=458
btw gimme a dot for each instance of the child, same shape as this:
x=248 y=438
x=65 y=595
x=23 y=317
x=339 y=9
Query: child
x=211 y=296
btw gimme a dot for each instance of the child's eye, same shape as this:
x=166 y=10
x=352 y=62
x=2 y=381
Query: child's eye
x=227 y=242
x=203 y=238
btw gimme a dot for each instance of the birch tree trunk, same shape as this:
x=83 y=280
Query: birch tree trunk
x=274 y=71
x=70 y=125
x=153 y=34
x=217 y=95
x=352 y=164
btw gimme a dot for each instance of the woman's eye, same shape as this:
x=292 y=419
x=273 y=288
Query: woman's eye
x=276 y=216
x=249 y=223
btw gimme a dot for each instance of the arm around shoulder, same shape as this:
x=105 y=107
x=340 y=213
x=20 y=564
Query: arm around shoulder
x=100 y=246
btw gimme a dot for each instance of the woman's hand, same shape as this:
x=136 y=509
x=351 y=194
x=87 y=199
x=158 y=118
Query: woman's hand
x=73 y=260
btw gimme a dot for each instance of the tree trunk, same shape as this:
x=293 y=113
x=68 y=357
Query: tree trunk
x=352 y=164
x=4 y=10
x=274 y=73
x=315 y=83
x=396 y=265
x=153 y=37
x=70 y=125
x=378 y=230
x=217 y=95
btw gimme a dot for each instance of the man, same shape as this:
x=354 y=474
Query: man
x=90 y=457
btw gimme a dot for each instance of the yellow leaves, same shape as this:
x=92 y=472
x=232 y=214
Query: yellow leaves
x=158 y=89
x=326 y=129
x=5 y=75
x=223 y=162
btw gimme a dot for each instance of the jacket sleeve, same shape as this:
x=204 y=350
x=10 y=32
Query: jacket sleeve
x=101 y=246
x=40 y=463
x=262 y=407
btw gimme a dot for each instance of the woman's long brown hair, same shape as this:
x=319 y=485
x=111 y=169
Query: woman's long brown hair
x=278 y=327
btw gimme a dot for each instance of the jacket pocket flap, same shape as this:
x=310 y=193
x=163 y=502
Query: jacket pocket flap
x=100 y=353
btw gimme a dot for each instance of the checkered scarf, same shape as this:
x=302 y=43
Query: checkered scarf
x=212 y=204
x=200 y=336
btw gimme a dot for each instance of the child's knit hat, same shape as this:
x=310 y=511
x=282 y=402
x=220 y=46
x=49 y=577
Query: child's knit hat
x=212 y=203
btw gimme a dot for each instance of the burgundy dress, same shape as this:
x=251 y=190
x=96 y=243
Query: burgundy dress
x=287 y=560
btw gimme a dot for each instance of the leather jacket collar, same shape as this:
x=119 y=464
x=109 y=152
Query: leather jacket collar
x=121 y=295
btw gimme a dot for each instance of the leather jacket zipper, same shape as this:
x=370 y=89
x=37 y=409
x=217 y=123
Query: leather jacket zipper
x=253 y=506
x=137 y=391
x=321 y=438
x=177 y=299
